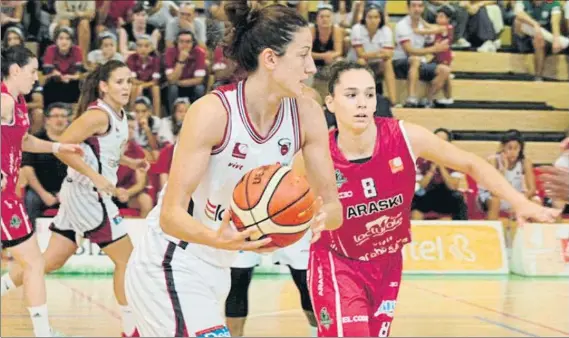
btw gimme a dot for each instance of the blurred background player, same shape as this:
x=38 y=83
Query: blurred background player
x=183 y=261
x=19 y=72
x=355 y=271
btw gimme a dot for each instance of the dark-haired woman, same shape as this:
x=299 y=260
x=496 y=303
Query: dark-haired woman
x=179 y=275
x=355 y=271
x=516 y=167
x=87 y=209
x=19 y=73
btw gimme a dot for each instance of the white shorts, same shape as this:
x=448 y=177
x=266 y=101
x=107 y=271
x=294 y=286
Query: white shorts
x=172 y=293
x=83 y=211
x=295 y=255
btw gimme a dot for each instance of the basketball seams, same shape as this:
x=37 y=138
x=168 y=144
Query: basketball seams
x=249 y=208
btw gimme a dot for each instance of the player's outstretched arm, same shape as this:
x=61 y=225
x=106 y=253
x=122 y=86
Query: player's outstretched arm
x=428 y=146
x=318 y=161
x=200 y=133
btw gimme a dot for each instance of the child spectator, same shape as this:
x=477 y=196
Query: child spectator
x=170 y=126
x=146 y=127
x=107 y=51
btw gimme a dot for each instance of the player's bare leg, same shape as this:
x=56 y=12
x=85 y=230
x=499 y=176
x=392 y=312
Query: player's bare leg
x=119 y=252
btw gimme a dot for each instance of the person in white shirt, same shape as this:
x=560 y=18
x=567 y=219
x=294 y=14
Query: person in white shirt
x=409 y=56
x=372 y=44
x=170 y=126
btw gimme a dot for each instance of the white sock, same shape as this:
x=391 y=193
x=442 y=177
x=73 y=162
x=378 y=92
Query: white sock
x=6 y=284
x=128 y=324
x=40 y=321
x=313 y=331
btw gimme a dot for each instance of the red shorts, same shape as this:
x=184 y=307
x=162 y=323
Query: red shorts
x=16 y=226
x=352 y=298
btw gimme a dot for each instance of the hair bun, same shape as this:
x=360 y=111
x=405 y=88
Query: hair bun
x=238 y=13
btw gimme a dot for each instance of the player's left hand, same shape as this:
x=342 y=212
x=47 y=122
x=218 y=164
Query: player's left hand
x=318 y=222
x=66 y=148
x=533 y=212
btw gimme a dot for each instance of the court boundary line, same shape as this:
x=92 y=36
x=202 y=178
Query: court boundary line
x=90 y=299
x=464 y=301
x=505 y=326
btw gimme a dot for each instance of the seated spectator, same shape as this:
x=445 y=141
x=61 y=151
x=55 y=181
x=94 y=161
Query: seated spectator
x=511 y=161
x=409 y=57
x=145 y=67
x=225 y=70
x=146 y=127
x=537 y=29
x=185 y=68
x=372 y=44
x=78 y=15
x=186 y=21
x=327 y=39
x=170 y=126
x=161 y=12
x=343 y=15
x=44 y=173
x=62 y=67
x=480 y=31
x=107 y=51
x=129 y=33
x=459 y=19
x=113 y=14
x=132 y=191
x=163 y=164
x=438 y=188
x=11 y=15
x=13 y=36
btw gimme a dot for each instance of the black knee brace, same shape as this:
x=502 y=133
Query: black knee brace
x=299 y=278
x=237 y=303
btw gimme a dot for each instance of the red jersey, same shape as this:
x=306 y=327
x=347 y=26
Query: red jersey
x=445 y=57
x=12 y=135
x=376 y=196
x=126 y=177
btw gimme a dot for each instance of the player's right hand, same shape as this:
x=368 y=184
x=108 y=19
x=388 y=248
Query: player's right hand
x=229 y=238
x=103 y=186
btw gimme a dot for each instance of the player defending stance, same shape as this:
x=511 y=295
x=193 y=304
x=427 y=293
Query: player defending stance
x=87 y=209
x=19 y=73
x=355 y=271
x=179 y=275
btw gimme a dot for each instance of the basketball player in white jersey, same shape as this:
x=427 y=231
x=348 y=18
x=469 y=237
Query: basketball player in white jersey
x=86 y=208
x=178 y=276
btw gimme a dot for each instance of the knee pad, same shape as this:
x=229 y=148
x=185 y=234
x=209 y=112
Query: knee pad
x=237 y=302
x=299 y=277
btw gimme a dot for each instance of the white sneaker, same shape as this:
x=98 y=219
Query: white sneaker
x=487 y=47
x=497 y=43
x=55 y=333
x=445 y=101
x=462 y=43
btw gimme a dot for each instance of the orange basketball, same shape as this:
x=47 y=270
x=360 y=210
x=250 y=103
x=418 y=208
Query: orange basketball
x=276 y=201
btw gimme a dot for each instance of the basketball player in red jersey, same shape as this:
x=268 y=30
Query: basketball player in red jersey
x=19 y=73
x=355 y=271
x=178 y=276
x=87 y=209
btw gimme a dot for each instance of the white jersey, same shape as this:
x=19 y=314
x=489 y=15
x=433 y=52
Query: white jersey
x=241 y=150
x=403 y=33
x=103 y=152
x=515 y=175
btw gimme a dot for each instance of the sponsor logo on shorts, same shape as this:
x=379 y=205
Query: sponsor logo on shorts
x=15 y=222
x=354 y=319
x=216 y=331
x=387 y=307
x=320 y=282
x=325 y=319
x=117 y=220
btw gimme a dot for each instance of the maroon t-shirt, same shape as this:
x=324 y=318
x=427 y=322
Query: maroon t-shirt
x=144 y=70
x=195 y=64
x=126 y=176
x=69 y=63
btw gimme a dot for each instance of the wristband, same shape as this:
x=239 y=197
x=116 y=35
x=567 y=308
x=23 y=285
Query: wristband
x=55 y=147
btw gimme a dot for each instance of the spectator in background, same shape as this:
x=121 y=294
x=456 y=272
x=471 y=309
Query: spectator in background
x=44 y=173
x=62 y=67
x=11 y=14
x=537 y=29
x=372 y=44
x=13 y=36
x=409 y=57
x=225 y=70
x=145 y=67
x=161 y=12
x=327 y=38
x=516 y=167
x=480 y=30
x=438 y=188
x=163 y=164
x=146 y=127
x=556 y=178
x=343 y=15
x=113 y=14
x=129 y=33
x=77 y=14
x=132 y=191
x=107 y=51
x=186 y=21
x=216 y=21
x=185 y=65
x=459 y=22
x=170 y=126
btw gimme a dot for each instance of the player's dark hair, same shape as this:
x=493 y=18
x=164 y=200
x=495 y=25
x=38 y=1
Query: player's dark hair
x=253 y=30
x=381 y=12
x=514 y=135
x=90 y=87
x=15 y=55
x=340 y=67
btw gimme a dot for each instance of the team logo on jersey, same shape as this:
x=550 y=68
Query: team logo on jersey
x=325 y=319
x=216 y=331
x=387 y=307
x=240 y=150
x=340 y=179
x=396 y=165
x=15 y=222
x=213 y=211
x=284 y=145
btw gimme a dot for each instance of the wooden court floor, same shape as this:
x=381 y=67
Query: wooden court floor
x=428 y=306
